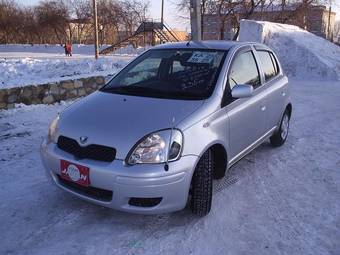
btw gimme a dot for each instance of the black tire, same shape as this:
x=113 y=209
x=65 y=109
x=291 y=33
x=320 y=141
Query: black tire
x=201 y=185
x=281 y=135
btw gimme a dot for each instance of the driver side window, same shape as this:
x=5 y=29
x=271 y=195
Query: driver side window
x=244 y=71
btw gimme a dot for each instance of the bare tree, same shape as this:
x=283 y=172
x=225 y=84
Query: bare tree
x=133 y=13
x=183 y=7
x=58 y=21
x=81 y=14
x=9 y=17
x=53 y=17
x=225 y=10
x=109 y=15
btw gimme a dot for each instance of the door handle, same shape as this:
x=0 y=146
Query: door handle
x=263 y=108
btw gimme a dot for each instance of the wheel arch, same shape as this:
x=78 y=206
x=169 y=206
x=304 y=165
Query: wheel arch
x=220 y=159
x=289 y=108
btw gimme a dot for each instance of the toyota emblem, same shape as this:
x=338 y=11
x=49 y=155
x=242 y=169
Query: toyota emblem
x=83 y=139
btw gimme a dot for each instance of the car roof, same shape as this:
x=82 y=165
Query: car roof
x=211 y=44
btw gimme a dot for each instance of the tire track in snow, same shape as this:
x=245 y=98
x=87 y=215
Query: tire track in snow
x=225 y=183
x=150 y=230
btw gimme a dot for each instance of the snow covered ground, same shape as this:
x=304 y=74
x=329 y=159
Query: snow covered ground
x=274 y=201
x=302 y=54
x=22 y=65
x=58 y=50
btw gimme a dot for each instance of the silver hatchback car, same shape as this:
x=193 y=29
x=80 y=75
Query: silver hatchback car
x=158 y=133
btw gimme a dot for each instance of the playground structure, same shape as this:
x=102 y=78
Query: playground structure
x=148 y=33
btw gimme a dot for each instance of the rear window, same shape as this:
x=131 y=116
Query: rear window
x=269 y=69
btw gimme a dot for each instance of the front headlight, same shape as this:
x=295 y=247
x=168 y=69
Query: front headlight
x=52 y=130
x=158 y=147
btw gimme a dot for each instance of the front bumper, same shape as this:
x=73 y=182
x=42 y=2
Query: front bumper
x=126 y=182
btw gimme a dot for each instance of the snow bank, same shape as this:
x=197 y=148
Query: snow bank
x=30 y=71
x=130 y=50
x=77 y=49
x=302 y=54
x=49 y=48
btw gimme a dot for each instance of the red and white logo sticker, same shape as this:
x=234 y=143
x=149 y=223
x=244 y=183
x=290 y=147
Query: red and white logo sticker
x=74 y=172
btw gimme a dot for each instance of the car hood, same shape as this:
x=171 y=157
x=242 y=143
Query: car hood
x=119 y=121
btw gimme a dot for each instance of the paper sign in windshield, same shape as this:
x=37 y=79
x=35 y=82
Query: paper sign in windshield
x=201 y=57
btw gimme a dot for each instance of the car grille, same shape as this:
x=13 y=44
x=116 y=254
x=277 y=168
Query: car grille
x=92 y=151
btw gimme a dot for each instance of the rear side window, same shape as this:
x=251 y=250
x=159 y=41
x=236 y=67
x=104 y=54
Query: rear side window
x=276 y=66
x=269 y=69
x=244 y=71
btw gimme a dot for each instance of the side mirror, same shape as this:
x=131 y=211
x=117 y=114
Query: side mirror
x=242 y=91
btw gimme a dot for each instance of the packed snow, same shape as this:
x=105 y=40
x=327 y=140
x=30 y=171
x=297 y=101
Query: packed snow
x=22 y=65
x=274 y=201
x=302 y=54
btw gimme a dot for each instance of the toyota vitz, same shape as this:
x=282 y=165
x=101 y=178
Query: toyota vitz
x=176 y=117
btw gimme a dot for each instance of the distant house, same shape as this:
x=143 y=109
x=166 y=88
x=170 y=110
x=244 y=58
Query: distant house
x=80 y=30
x=316 y=19
x=180 y=35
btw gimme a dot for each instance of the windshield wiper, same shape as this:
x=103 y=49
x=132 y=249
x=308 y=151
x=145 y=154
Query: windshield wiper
x=133 y=89
x=152 y=92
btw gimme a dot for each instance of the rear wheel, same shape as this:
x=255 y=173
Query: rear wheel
x=201 y=186
x=281 y=135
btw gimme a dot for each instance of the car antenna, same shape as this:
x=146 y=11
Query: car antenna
x=166 y=166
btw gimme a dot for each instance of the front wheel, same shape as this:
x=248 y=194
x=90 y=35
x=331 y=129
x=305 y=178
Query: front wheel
x=201 y=186
x=280 y=136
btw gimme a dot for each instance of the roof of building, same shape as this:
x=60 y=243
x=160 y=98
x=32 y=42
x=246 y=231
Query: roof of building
x=272 y=8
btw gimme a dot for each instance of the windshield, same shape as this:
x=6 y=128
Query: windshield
x=170 y=73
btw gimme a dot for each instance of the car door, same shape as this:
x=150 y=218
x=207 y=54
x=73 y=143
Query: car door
x=246 y=115
x=275 y=85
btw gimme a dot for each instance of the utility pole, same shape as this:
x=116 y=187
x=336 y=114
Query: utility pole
x=195 y=19
x=95 y=15
x=162 y=12
x=329 y=21
x=283 y=5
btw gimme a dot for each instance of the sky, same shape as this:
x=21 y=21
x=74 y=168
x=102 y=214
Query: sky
x=171 y=14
